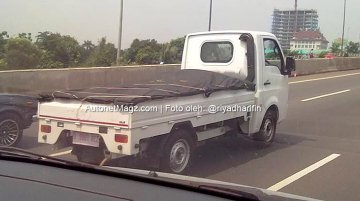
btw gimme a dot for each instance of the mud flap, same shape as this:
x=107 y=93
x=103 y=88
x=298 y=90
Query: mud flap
x=64 y=140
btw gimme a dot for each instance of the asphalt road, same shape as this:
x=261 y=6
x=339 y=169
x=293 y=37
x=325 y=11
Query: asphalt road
x=316 y=152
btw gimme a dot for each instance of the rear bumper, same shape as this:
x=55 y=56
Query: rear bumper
x=61 y=128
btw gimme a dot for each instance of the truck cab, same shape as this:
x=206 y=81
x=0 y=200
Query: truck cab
x=254 y=56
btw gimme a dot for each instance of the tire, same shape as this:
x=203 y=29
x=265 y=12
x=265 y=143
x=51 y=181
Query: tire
x=178 y=152
x=11 y=130
x=267 y=132
x=91 y=155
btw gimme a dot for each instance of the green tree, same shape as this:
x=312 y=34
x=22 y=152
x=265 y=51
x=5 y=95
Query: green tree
x=25 y=35
x=22 y=53
x=335 y=47
x=104 y=54
x=88 y=45
x=353 y=48
x=86 y=49
x=137 y=52
x=147 y=55
x=59 y=50
x=174 y=50
x=42 y=37
x=3 y=40
x=130 y=53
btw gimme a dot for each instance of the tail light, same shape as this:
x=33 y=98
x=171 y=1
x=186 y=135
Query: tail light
x=121 y=138
x=45 y=129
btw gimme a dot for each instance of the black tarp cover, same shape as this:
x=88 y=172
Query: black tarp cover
x=164 y=85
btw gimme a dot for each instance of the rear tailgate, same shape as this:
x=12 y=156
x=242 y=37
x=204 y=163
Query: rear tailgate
x=84 y=113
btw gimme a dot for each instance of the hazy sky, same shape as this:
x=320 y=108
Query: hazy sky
x=163 y=19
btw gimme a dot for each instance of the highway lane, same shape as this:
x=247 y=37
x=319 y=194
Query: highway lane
x=313 y=131
x=332 y=124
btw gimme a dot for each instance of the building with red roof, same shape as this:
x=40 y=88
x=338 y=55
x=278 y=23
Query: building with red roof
x=308 y=40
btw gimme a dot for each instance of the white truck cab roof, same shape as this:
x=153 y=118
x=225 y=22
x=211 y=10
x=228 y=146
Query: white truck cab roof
x=254 y=33
x=219 y=51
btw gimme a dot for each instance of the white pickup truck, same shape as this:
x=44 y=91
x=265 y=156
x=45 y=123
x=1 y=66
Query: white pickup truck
x=229 y=81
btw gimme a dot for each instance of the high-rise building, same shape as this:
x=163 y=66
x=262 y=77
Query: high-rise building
x=287 y=22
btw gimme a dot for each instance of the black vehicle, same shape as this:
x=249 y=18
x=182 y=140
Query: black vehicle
x=16 y=112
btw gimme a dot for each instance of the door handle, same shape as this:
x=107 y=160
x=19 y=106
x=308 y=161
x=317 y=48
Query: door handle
x=267 y=82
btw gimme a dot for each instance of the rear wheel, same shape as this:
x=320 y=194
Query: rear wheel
x=267 y=131
x=10 y=130
x=177 y=153
x=91 y=155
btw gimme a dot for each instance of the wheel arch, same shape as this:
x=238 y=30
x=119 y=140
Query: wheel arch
x=13 y=112
x=275 y=109
x=159 y=142
x=187 y=126
x=257 y=118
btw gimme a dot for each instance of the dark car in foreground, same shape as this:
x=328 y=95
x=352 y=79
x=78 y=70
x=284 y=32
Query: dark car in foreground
x=16 y=112
x=42 y=177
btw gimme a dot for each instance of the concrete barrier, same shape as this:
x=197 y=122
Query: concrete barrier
x=313 y=66
x=34 y=81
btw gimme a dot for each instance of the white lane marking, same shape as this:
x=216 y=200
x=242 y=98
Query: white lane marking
x=326 y=95
x=323 y=78
x=61 y=153
x=302 y=173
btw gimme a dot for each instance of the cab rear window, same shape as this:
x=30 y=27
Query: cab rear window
x=217 y=52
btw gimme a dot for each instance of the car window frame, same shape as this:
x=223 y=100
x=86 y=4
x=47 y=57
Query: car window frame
x=218 y=62
x=282 y=63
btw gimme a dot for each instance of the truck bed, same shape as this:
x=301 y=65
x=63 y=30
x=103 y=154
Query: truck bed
x=164 y=85
x=72 y=115
x=194 y=89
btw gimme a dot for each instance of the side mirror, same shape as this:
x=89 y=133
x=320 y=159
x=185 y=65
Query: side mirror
x=290 y=65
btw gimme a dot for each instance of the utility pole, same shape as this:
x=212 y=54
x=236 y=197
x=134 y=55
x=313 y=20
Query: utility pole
x=120 y=31
x=210 y=15
x=296 y=16
x=343 y=31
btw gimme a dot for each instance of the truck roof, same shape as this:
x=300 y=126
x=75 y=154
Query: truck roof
x=256 y=33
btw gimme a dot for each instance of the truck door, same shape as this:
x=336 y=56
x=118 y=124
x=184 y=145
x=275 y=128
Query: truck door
x=274 y=82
